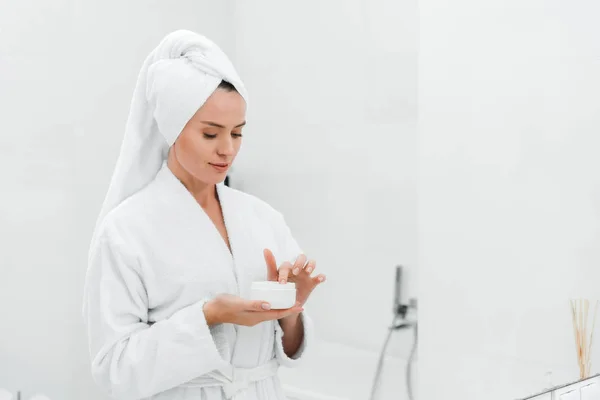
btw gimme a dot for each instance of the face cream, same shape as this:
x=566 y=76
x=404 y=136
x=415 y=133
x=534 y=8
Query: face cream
x=278 y=295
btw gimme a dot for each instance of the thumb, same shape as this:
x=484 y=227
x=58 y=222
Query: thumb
x=272 y=273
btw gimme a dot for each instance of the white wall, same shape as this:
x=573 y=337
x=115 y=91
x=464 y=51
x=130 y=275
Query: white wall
x=331 y=142
x=67 y=73
x=509 y=94
x=36 y=196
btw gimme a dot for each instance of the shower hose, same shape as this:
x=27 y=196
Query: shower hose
x=397 y=326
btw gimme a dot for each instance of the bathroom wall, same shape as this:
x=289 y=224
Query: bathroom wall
x=36 y=280
x=509 y=94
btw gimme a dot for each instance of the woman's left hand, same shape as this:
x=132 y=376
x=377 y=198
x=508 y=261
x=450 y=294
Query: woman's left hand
x=299 y=273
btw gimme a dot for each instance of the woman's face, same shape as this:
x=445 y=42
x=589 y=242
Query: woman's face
x=211 y=139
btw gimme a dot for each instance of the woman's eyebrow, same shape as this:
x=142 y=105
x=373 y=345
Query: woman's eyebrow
x=221 y=126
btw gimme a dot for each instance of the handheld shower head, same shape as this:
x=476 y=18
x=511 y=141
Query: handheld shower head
x=397 y=288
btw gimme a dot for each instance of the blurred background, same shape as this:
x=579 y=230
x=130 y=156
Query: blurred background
x=508 y=193
x=330 y=142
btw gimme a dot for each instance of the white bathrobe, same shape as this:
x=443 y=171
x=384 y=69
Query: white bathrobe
x=157 y=258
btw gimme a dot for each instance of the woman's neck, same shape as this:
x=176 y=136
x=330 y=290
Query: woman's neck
x=204 y=193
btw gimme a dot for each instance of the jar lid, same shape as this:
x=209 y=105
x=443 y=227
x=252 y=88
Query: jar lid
x=273 y=285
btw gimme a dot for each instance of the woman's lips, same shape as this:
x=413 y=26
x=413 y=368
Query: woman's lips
x=221 y=167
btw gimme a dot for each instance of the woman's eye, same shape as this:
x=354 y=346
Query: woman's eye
x=209 y=136
x=236 y=135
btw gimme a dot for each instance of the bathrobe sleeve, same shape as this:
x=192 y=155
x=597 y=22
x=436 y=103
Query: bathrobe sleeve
x=132 y=359
x=290 y=251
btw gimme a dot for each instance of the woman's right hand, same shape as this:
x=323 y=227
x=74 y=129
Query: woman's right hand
x=227 y=308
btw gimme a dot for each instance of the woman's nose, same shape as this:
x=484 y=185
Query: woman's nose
x=226 y=147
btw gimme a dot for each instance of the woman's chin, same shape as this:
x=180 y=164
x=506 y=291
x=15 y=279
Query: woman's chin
x=217 y=178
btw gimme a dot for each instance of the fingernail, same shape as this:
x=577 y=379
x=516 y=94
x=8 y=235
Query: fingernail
x=266 y=306
x=282 y=281
x=309 y=270
x=320 y=279
x=296 y=271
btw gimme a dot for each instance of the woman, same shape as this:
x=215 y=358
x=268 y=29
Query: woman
x=175 y=251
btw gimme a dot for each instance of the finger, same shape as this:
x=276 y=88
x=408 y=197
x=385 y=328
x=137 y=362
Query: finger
x=299 y=264
x=284 y=272
x=257 y=305
x=310 y=267
x=271 y=265
x=289 y=311
x=319 y=279
x=278 y=314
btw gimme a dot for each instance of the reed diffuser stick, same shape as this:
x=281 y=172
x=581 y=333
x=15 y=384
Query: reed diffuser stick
x=580 y=313
x=589 y=361
x=576 y=331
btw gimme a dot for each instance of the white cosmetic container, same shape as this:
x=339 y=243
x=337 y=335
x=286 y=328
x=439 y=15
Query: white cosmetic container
x=278 y=295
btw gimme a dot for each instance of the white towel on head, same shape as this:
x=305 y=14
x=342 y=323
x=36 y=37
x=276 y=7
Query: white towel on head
x=176 y=79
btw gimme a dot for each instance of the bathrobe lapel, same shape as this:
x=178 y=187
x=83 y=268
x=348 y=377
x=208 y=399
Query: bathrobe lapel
x=247 y=239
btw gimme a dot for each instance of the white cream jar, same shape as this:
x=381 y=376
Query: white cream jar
x=278 y=295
